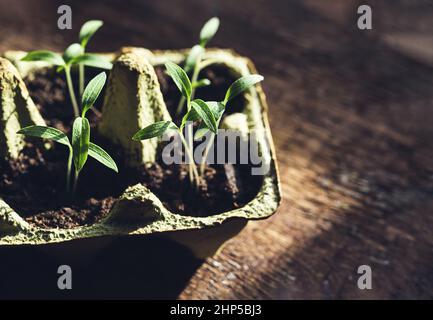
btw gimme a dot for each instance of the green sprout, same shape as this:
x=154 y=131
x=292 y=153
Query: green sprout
x=88 y=29
x=80 y=146
x=196 y=109
x=208 y=113
x=218 y=108
x=194 y=63
x=73 y=55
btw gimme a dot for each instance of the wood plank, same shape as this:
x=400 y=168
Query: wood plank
x=352 y=121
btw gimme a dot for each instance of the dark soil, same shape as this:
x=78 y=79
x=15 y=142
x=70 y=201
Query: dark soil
x=49 y=92
x=34 y=185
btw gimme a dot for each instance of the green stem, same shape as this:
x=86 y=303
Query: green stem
x=194 y=176
x=68 y=174
x=190 y=143
x=189 y=146
x=189 y=127
x=74 y=189
x=194 y=78
x=71 y=91
x=81 y=76
x=180 y=105
x=206 y=153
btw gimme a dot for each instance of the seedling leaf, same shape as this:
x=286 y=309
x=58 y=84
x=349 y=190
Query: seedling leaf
x=92 y=91
x=46 y=56
x=80 y=142
x=193 y=56
x=46 y=133
x=241 y=85
x=205 y=114
x=201 y=131
x=191 y=115
x=99 y=154
x=156 y=129
x=180 y=78
x=93 y=60
x=201 y=83
x=208 y=31
x=217 y=109
x=88 y=30
x=71 y=52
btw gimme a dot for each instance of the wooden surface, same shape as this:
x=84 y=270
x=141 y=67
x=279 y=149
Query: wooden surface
x=352 y=119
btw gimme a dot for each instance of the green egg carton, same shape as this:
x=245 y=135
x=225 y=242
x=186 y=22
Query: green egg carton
x=134 y=87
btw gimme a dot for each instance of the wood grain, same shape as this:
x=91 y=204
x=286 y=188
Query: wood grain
x=351 y=116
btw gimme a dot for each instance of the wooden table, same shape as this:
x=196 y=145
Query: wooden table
x=351 y=114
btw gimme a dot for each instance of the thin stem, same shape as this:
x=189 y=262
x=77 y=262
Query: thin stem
x=190 y=142
x=71 y=91
x=194 y=78
x=74 y=189
x=206 y=153
x=189 y=127
x=68 y=174
x=81 y=76
x=189 y=146
x=193 y=167
x=180 y=105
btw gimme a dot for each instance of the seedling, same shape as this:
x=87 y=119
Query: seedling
x=73 y=55
x=196 y=108
x=209 y=113
x=80 y=146
x=86 y=32
x=193 y=62
x=218 y=108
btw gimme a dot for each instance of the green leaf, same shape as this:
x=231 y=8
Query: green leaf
x=60 y=69
x=99 y=154
x=80 y=142
x=208 y=30
x=156 y=129
x=88 y=30
x=71 y=52
x=46 y=133
x=201 y=83
x=217 y=109
x=241 y=85
x=92 y=91
x=193 y=57
x=93 y=60
x=46 y=56
x=191 y=115
x=180 y=78
x=205 y=114
x=201 y=131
